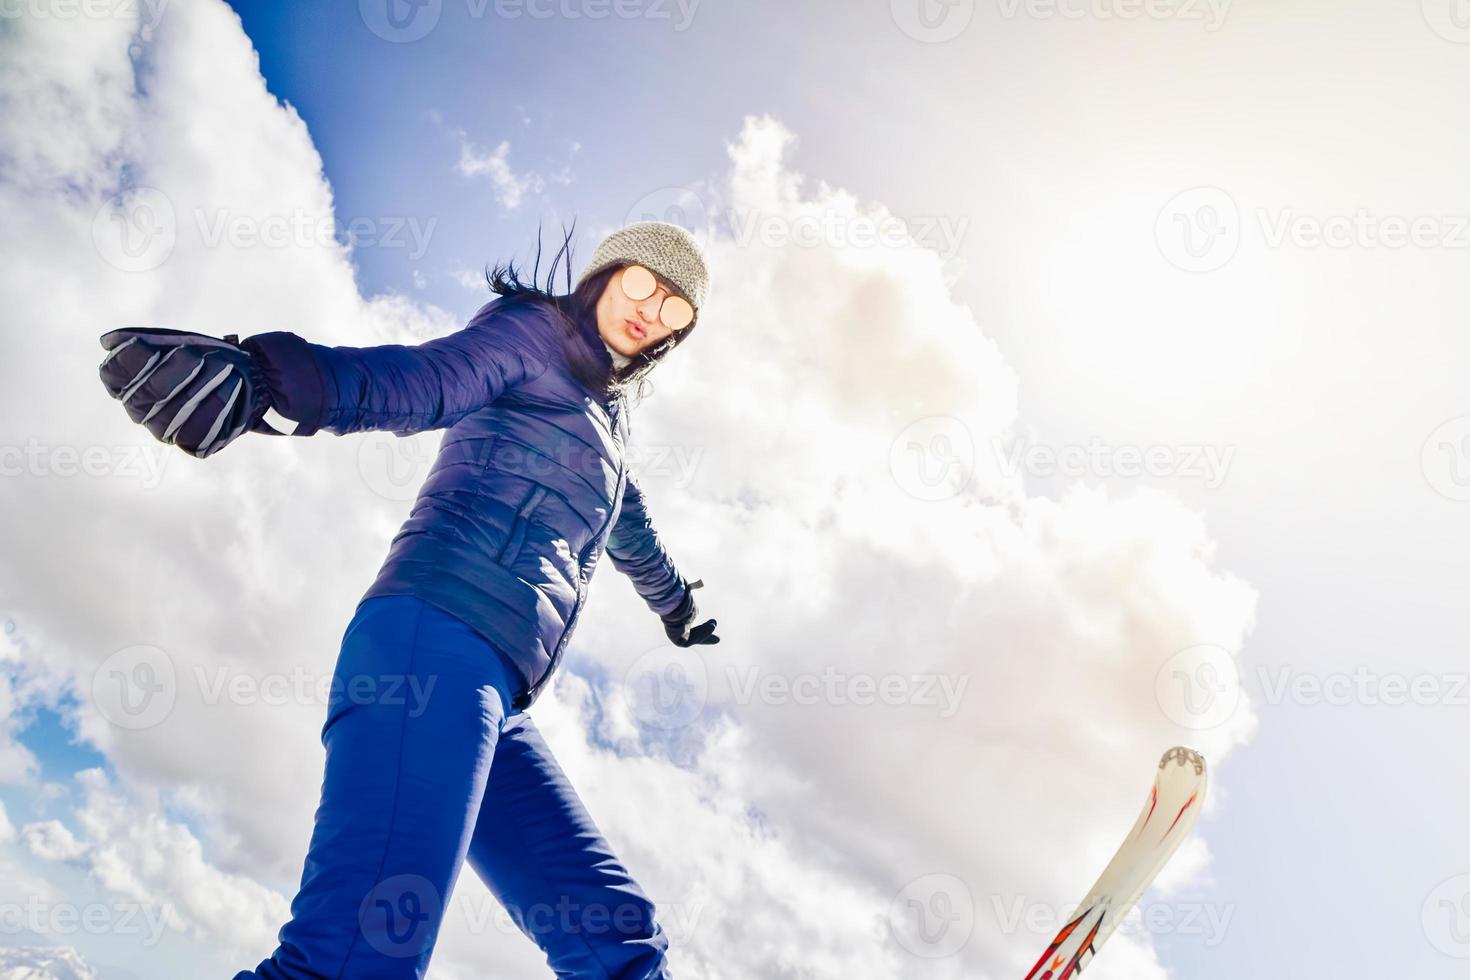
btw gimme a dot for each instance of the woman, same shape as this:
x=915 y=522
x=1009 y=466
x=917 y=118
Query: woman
x=476 y=601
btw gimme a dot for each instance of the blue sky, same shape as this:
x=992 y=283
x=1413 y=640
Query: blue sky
x=1043 y=154
x=627 y=105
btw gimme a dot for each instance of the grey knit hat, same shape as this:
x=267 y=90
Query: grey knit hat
x=667 y=249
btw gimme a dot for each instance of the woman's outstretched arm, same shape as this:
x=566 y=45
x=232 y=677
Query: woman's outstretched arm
x=636 y=551
x=398 y=388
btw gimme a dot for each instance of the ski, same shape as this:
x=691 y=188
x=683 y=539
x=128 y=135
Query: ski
x=1168 y=814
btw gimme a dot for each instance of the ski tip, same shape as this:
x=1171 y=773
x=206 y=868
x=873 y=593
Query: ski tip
x=1183 y=755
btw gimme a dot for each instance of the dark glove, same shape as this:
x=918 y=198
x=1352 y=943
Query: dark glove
x=196 y=392
x=679 y=623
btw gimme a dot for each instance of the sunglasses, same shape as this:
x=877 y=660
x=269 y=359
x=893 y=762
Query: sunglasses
x=639 y=283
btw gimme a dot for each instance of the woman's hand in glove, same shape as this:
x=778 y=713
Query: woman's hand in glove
x=679 y=624
x=193 y=391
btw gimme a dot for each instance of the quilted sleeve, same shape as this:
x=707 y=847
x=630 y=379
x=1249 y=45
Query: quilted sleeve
x=635 y=550
x=399 y=388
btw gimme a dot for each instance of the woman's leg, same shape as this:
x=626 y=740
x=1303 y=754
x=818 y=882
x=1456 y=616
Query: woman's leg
x=416 y=708
x=539 y=852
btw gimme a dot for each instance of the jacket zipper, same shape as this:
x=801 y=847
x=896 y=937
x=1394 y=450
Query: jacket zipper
x=534 y=690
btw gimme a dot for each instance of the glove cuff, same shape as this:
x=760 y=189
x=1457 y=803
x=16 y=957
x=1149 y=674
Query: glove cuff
x=687 y=609
x=288 y=371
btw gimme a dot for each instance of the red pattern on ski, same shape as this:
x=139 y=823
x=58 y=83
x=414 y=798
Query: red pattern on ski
x=1075 y=964
x=1153 y=802
x=1182 y=811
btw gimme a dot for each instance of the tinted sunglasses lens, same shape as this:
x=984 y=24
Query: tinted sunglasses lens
x=638 y=282
x=676 y=313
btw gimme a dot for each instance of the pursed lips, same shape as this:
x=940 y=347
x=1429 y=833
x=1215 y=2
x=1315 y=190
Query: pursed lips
x=636 y=329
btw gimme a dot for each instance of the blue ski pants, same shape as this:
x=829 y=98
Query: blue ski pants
x=426 y=766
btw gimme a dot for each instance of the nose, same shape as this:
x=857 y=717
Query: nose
x=648 y=309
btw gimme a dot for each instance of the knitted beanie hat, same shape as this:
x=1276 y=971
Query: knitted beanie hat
x=666 y=248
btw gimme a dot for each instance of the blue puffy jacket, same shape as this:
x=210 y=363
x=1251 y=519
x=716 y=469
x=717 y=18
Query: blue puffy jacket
x=528 y=488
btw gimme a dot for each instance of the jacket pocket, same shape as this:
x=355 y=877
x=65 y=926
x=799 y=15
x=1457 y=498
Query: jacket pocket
x=517 y=534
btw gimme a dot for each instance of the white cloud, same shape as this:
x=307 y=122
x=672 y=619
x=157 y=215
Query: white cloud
x=510 y=187
x=797 y=823
x=51 y=841
x=134 y=852
x=18 y=764
x=26 y=682
x=469 y=279
x=1051 y=620
x=564 y=175
x=1190 y=866
x=116 y=535
x=44 y=963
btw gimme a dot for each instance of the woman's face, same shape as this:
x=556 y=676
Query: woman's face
x=629 y=326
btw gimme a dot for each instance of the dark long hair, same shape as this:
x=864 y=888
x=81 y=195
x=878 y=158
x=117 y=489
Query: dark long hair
x=576 y=311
